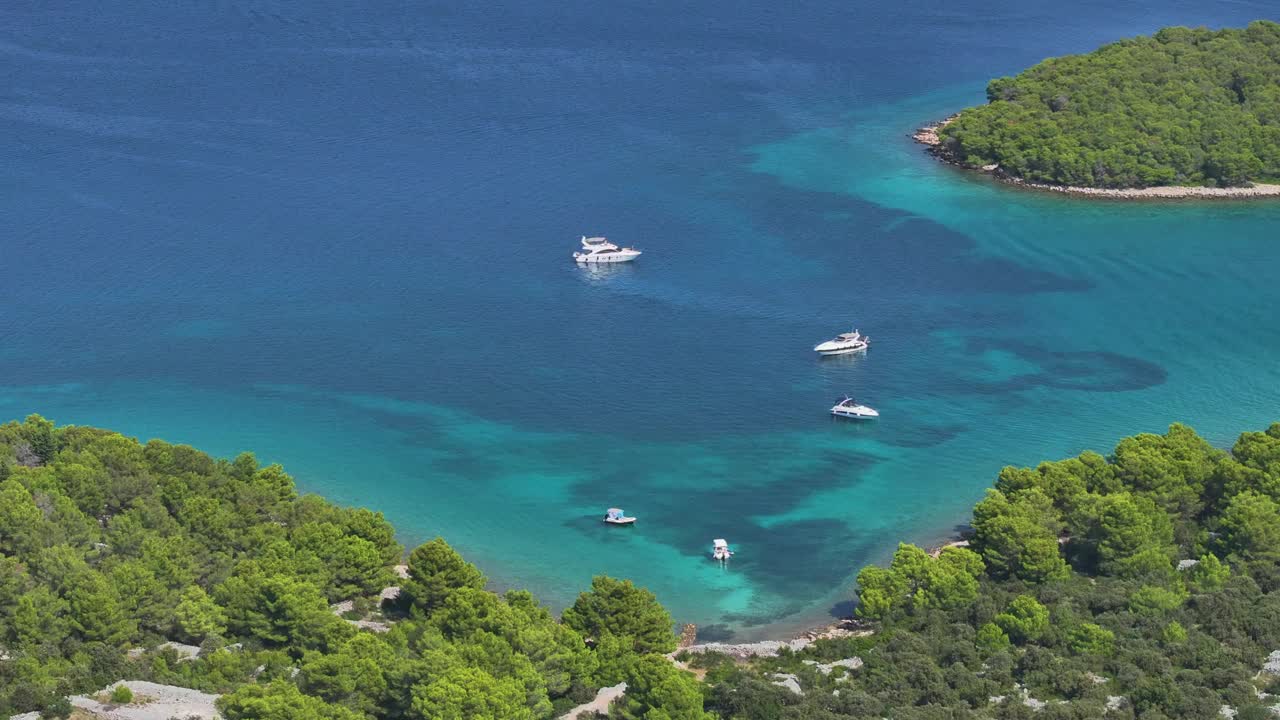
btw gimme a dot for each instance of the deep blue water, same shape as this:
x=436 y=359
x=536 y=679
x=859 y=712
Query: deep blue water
x=340 y=237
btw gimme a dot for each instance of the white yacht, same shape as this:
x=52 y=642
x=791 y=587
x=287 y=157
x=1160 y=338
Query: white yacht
x=850 y=342
x=849 y=408
x=600 y=250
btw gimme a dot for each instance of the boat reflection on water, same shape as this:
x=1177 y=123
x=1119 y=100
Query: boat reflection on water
x=603 y=273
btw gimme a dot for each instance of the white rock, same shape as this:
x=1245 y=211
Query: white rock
x=185 y=652
x=1272 y=664
x=764 y=648
x=161 y=703
x=852 y=663
x=788 y=681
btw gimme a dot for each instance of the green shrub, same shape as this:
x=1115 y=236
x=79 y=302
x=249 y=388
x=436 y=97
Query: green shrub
x=121 y=695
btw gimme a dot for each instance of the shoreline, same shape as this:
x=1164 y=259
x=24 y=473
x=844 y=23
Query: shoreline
x=839 y=627
x=927 y=135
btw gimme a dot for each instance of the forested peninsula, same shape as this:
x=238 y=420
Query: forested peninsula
x=1184 y=108
x=1141 y=584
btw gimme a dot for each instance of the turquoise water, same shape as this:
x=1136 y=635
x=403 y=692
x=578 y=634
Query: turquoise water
x=342 y=241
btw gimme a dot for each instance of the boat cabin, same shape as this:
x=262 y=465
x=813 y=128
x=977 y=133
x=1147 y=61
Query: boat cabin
x=615 y=516
x=720 y=549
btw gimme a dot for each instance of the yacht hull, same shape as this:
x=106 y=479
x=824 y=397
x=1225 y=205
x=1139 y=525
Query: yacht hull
x=841 y=350
x=854 y=416
x=584 y=259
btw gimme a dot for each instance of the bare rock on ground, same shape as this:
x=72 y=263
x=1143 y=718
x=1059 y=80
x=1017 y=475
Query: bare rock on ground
x=152 y=701
x=788 y=681
x=598 y=706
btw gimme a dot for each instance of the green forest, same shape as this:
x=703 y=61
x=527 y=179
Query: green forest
x=1142 y=584
x=1182 y=107
x=107 y=544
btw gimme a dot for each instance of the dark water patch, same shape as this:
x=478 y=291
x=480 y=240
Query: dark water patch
x=598 y=531
x=843 y=609
x=924 y=256
x=917 y=435
x=1091 y=371
x=782 y=558
x=803 y=555
x=715 y=632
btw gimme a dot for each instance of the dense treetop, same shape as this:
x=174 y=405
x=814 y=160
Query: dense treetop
x=1143 y=585
x=1182 y=107
x=107 y=544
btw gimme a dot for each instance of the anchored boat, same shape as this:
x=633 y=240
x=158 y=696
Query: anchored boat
x=850 y=342
x=720 y=550
x=600 y=250
x=615 y=516
x=852 y=409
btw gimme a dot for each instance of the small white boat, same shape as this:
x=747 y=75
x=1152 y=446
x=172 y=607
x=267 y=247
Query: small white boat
x=720 y=550
x=600 y=250
x=849 y=408
x=615 y=516
x=850 y=342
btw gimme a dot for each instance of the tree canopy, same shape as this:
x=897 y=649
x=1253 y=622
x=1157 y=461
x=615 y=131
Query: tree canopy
x=1182 y=107
x=107 y=544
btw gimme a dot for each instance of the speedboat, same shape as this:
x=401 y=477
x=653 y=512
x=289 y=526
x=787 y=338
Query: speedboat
x=850 y=342
x=849 y=408
x=600 y=250
x=615 y=516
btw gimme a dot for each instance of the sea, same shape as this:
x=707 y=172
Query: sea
x=339 y=235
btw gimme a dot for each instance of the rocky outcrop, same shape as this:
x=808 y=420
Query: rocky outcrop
x=688 y=636
x=151 y=701
x=852 y=663
x=928 y=135
x=744 y=651
x=788 y=681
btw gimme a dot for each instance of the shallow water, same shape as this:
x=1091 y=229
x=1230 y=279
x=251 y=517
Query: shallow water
x=341 y=239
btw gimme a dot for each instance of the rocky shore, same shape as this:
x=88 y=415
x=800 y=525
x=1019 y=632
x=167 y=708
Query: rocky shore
x=846 y=627
x=928 y=136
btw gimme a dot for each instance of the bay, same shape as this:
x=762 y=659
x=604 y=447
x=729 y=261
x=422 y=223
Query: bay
x=340 y=237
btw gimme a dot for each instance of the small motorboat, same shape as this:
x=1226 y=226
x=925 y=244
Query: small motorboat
x=850 y=408
x=720 y=550
x=615 y=516
x=850 y=342
x=600 y=250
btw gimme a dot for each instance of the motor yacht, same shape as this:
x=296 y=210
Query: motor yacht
x=850 y=342
x=849 y=408
x=600 y=250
